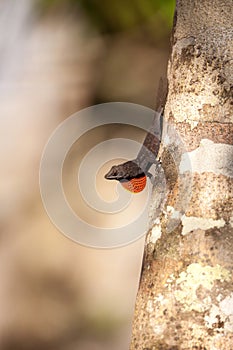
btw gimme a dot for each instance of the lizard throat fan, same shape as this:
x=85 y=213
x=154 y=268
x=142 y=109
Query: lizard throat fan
x=134 y=185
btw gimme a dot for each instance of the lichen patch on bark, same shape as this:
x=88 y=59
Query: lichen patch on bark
x=190 y=280
x=221 y=315
x=209 y=157
x=191 y=223
x=155 y=234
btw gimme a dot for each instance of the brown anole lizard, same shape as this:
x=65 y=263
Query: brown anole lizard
x=132 y=174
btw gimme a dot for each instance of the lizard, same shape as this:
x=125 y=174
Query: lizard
x=133 y=173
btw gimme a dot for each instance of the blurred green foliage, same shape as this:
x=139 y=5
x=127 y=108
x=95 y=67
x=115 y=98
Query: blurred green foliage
x=122 y=15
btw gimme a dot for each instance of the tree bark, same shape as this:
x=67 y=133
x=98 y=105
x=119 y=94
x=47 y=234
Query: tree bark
x=185 y=297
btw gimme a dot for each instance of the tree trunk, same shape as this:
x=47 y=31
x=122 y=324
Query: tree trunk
x=185 y=298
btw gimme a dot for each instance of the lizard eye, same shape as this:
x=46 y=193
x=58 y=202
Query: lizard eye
x=114 y=171
x=112 y=174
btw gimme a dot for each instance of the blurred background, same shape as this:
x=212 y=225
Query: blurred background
x=57 y=57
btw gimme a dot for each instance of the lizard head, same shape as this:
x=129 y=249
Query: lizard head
x=124 y=171
x=130 y=176
x=115 y=173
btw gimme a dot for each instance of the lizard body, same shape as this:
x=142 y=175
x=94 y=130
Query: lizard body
x=132 y=174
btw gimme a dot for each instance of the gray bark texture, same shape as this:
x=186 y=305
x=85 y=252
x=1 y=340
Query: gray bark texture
x=185 y=297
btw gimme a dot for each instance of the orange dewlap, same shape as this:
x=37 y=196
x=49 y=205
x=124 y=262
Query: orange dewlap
x=135 y=185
